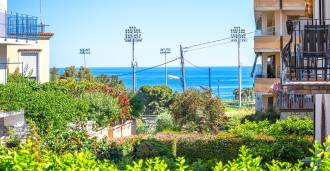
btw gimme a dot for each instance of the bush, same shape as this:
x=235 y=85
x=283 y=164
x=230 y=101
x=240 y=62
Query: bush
x=150 y=148
x=152 y=100
x=165 y=121
x=292 y=126
x=250 y=129
x=103 y=109
x=200 y=108
x=52 y=111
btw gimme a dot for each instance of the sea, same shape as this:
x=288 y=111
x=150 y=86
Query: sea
x=223 y=79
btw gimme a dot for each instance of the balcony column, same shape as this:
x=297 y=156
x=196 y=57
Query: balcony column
x=264 y=65
x=322 y=117
x=264 y=22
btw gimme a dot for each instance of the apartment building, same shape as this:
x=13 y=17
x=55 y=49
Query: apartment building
x=24 y=46
x=306 y=62
x=270 y=38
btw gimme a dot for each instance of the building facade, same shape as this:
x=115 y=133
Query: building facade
x=306 y=62
x=24 y=46
x=270 y=38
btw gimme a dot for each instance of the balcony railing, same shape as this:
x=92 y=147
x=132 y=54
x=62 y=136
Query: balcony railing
x=296 y=102
x=270 y=31
x=18 y=26
x=306 y=57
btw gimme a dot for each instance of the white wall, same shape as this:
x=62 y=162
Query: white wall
x=3 y=5
x=318 y=115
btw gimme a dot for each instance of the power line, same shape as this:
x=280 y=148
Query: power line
x=193 y=64
x=149 y=68
x=214 y=41
x=219 y=44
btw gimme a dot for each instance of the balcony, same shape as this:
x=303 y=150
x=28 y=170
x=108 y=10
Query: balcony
x=306 y=58
x=264 y=85
x=293 y=4
x=15 y=27
x=272 y=5
x=266 y=5
x=296 y=103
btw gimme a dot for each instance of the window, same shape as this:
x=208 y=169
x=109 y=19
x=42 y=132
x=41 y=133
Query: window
x=30 y=64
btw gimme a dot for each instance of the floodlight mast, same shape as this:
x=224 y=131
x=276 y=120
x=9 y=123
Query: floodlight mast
x=85 y=52
x=239 y=35
x=165 y=51
x=133 y=35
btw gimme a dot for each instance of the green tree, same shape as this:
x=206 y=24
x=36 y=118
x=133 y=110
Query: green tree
x=70 y=73
x=154 y=99
x=54 y=74
x=198 y=108
x=85 y=74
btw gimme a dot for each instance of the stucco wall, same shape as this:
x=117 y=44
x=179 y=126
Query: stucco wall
x=13 y=55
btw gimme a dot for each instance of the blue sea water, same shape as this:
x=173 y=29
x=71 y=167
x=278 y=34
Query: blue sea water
x=195 y=77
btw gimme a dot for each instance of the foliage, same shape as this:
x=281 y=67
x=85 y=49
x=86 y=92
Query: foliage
x=154 y=99
x=13 y=96
x=150 y=148
x=112 y=81
x=85 y=74
x=70 y=73
x=292 y=126
x=250 y=129
x=54 y=74
x=102 y=108
x=165 y=121
x=199 y=108
x=52 y=110
x=247 y=93
x=25 y=158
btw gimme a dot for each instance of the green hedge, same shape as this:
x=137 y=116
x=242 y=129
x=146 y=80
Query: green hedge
x=224 y=147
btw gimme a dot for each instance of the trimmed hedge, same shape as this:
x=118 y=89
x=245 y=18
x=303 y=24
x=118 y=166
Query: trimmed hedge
x=224 y=147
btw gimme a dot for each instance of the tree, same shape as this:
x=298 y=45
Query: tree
x=85 y=74
x=198 y=108
x=54 y=73
x=69 y=73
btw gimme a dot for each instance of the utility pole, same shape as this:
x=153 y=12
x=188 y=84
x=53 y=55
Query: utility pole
x=165 y=51
x=85 y=52
x=183 y=79
x=239 y=35
x=133 y=35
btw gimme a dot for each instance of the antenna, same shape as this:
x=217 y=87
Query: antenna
x=42 y=26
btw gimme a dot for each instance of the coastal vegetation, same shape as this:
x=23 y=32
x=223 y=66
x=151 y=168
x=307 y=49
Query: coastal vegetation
x=192 y=130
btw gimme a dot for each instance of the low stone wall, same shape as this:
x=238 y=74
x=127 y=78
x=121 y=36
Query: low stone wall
x=124 y=130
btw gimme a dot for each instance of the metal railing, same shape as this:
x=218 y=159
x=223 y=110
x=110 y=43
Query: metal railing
x=18 y=26
x=307 y=55
x=296 y=102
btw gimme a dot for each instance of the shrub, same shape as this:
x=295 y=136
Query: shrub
x=164 y=121
x=154 y=99
x=250 y=129
x=150 y=148
x=198 y=107
x=292 y=126
x=52 y=111
x=103 y=109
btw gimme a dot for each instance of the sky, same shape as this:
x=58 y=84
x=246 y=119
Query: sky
x=100 y=25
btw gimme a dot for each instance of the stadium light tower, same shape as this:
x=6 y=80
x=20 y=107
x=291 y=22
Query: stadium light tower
x=85 y=52
x=133 y=35
x=165 y=51
x=239 y=35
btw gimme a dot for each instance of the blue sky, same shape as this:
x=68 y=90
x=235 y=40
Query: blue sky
x=100 y=25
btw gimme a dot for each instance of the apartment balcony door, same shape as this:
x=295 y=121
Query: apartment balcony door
x=30 y=65
x=271 y=66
